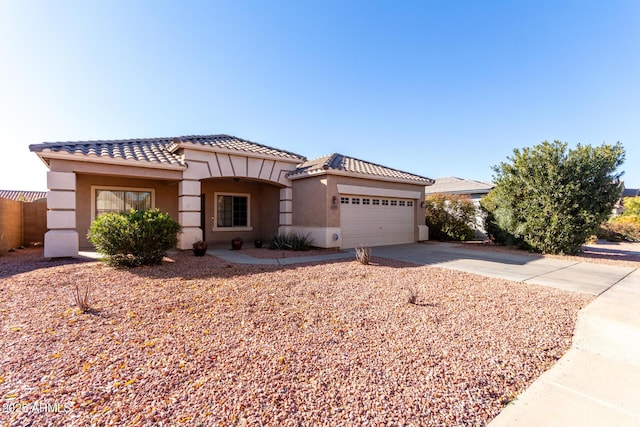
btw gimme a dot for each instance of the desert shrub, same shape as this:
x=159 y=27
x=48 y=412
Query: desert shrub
x=363 y=255
x=134 y=238
x=291 y=241
x=553 y=198
x=82 y=298
x=450 y=217
x=621 y=229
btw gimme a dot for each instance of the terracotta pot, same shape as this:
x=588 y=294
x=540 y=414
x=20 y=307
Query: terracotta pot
x=236 y=244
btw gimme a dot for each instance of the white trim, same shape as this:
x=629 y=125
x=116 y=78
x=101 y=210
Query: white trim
x=378 y=192
x=108 y=187
x=248 y=227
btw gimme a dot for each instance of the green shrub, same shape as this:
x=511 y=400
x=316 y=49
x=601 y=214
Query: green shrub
x=498 y=220
x=631 y=206
x=553 y=198
x=621 y=229
x=450 y=217
x=291 y=241
x=134 y=238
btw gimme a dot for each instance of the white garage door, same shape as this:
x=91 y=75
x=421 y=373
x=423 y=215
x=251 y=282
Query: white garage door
x=376 y=221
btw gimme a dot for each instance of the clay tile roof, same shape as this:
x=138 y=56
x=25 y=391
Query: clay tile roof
x=23 y=196
x=159 y=150
x=233 y=143
x=454 y=185
x=150 y=150
x=341 y=163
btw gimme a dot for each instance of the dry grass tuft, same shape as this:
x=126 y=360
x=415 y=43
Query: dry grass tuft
x=82 y=299
x=363 y=255
x=412 y=295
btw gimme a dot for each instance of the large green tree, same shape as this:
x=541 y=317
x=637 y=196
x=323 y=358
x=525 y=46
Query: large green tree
x=551 y=198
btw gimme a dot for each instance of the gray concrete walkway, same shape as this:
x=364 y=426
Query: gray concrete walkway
x=240 y=258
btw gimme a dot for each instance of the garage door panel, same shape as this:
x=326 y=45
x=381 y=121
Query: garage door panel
x=375 y=225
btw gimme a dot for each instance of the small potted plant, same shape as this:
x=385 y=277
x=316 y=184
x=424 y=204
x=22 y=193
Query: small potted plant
x=257 y=243
x=236 y=243
x=200 y=248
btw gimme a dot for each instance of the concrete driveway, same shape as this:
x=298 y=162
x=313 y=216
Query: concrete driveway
x=596 y=383
x=576 y=276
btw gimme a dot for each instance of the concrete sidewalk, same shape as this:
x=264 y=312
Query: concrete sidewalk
x=597 y=382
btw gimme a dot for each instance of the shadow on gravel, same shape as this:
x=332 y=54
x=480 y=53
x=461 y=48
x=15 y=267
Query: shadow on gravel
x=30 y=259
x=188 y=267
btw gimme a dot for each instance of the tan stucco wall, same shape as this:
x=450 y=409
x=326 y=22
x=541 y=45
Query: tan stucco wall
x=310 y=202
x=312 y=198
x=10 y=224
x=166 y=197
x=264 y=209
x=35 y=222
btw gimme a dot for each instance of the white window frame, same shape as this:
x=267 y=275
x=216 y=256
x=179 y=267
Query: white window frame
x=115 y=188
x=248 y=227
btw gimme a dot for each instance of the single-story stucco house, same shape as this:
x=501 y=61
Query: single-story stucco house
x=220 y=187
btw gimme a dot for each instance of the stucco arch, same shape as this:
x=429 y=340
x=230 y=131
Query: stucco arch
x=204 y=165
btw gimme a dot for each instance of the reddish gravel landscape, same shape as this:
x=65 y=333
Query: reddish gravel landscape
x=200 y=341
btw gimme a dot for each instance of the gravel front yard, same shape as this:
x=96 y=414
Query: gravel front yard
x=200 y=341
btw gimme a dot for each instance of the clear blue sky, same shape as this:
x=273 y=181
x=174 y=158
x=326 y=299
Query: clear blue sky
x=437 y=88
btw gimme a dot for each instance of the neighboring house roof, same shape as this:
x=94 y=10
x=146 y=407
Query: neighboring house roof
x=631 y=192
x=338 y=163
x=158 y=151
x=23 y=196
x=454 y=185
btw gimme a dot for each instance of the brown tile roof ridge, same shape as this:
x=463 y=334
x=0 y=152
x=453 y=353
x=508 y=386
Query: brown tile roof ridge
x=23 y=195
x=234 y=143
x=340 y=162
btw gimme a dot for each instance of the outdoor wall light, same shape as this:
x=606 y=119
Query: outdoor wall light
x=334 y=200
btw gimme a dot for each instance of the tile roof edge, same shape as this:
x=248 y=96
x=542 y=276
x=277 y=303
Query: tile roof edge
x=92 y=158
x=316 y=172
x=325 y=167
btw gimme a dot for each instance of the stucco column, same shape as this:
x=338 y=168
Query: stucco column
x=189 y=213
x=62 y=238
x=286 y=206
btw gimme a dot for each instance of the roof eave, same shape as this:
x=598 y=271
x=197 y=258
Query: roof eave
x=91 y=158
x=318 y=172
